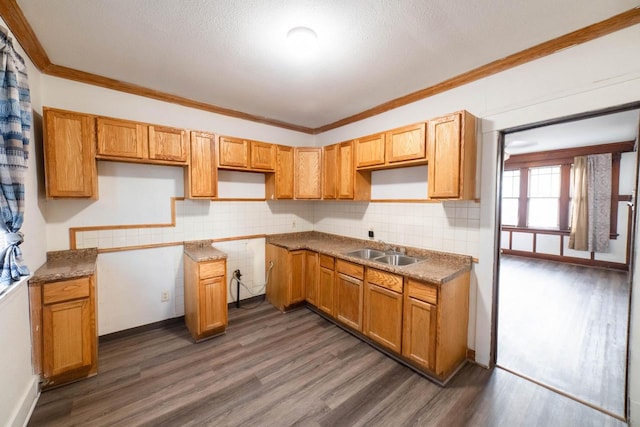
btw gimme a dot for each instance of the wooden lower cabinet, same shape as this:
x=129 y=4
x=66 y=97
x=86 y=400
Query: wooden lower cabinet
x=65 y=337
x=349 y=294
x=311 y=276
x=286 y=287
x=205 y=297
x=420 y=332
x=423 y=324
x=383 y=308
x=435 y=324
x=326 y=284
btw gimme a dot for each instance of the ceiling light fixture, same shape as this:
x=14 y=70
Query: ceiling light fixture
x=302 y=39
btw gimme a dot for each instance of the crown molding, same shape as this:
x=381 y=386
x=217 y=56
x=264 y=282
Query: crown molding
x=21 y=29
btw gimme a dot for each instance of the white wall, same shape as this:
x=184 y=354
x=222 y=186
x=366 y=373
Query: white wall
x=19 y=389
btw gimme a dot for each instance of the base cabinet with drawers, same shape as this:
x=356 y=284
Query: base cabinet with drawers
x=422 y=324
x=65 y=333
x=205 y=297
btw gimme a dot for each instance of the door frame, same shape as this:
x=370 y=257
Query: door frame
x=498 y=220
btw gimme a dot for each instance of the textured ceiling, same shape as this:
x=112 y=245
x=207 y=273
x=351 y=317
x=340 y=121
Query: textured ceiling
x=232 y=53
x=617 y=127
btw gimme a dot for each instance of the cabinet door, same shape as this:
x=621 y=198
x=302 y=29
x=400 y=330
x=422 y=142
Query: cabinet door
x=345 y=170
x=233 y=152
x=263 y=156
x=308 y=162
x=212 y=303
x=296 y=277
x=202 y=173
x=383 y=316
x=168 y=144
x=284 y=173
x=406 y=143
x=444 y=157
x=69 y=149
x=325 y=290
x=370 y=150
x=122 y=138
x=419 y=341
x=329 y=171
x=311 y=274
x=349 y=302
x=68 y=337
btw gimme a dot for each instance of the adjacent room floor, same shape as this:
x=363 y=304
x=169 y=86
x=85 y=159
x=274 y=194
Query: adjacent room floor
x=272 y=369
x=565 y=326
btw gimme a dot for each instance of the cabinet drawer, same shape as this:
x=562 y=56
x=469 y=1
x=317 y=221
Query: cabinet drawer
x=211 y=269
x=326 y=261
x=423 y=291
x=350 y=269
x=65 y=290
x=386 y=280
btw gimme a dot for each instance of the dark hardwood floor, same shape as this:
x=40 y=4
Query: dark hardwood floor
x=298 y=369
x=565 y=326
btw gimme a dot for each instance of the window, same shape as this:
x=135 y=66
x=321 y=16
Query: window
x=544 y=197
x=510 y=196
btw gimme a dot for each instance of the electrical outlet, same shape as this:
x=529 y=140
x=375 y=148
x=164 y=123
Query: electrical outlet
x=371 y=234
x=164 y=296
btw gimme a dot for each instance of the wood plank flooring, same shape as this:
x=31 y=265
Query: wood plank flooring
x=297 y=369
x=565 y=326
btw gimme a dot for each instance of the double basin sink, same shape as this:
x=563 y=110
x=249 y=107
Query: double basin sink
x=395 y=259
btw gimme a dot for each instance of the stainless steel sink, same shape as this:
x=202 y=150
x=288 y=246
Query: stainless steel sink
x=397 y=259
x=366 y=253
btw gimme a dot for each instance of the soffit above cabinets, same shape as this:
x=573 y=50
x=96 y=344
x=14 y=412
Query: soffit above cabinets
x=232 y=54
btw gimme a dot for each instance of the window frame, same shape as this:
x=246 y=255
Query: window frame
x=564 y=159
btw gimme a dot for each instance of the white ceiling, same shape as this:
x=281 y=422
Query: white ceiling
x=610 y=128
x=231 y=53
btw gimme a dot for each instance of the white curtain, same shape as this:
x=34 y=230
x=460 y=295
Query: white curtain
x=591 y=206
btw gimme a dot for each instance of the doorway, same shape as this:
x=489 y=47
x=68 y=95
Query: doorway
x=563 y=314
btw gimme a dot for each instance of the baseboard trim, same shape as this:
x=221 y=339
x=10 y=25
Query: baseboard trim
x=138 y=329
x=22 y=414
x=471 y=355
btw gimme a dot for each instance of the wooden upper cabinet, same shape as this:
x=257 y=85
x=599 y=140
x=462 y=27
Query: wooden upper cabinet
x=452 y=157
x=308 y=162
x=69 y=150
x=370 y=150
x=263 y=155
x=345 y=170
x=201 y=175
x=233 y=152
x=122 y=138
x=140 y=142
x=167 y=143
x=406 y=143
x=329 y=171
x=279 y=185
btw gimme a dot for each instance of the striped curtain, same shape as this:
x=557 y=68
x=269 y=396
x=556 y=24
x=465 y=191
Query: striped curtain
x=15 y=129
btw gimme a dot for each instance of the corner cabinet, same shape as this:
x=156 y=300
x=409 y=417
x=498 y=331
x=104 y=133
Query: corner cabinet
x=286 y=287
x=69 y=154
x=308 y=164
x=65 y=333
x=452 y=157
x=205 y=297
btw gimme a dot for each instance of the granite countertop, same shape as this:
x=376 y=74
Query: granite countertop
x=202 y=250
x=437 y=267
x=63 y=265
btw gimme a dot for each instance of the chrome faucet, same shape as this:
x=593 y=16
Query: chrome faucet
x=386 y=247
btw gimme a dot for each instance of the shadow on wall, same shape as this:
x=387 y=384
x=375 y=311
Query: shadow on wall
x=302 y=209
x=335 y=209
